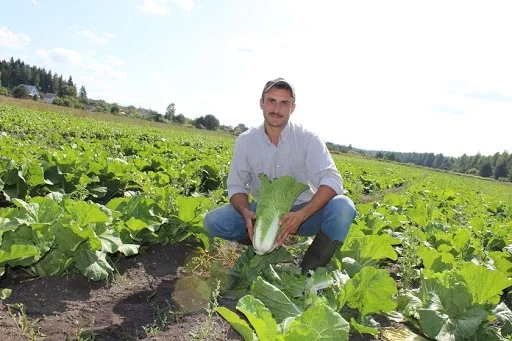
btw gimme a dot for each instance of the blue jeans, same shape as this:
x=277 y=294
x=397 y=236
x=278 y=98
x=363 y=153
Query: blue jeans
x=334 y=220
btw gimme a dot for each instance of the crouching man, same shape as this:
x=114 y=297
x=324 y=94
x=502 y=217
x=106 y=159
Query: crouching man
x=276 y=148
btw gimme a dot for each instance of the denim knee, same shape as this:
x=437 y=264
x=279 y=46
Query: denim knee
x=225 y=222
x=339 y=214
x=347 y=207
x=208 y=222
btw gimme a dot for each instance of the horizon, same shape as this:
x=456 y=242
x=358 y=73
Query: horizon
x=397 y=76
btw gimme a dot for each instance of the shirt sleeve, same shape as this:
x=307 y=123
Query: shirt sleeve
x=239 y=176
x=321 y=168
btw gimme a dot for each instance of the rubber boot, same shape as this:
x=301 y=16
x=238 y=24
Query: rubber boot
x=319 y=252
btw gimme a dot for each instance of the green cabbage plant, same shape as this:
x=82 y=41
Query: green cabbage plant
x=275 y=199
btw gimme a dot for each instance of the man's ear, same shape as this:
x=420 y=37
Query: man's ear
x=292 y=108
x=261 y=103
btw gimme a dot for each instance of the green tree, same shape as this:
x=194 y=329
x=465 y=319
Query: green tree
x=429 y=161
x=20 y=91
x=438 y=161
x=486 y=168
x=155 y=116
x=180 y=119
x=391 y=156
x=115 y=109
x=70 y=81
x=501 y=169
x=209 y=122
x=171 y=110
x=462 y=164
x=66 y=90
x=82 y=94
x=240 y=128
x=67 y=101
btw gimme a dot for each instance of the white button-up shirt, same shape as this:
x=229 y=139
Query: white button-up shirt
x=300 y=153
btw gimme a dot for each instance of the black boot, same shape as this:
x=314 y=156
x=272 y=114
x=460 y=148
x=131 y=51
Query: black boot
x=319 y=252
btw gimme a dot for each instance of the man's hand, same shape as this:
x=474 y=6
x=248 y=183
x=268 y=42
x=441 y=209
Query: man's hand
x=240 y=202
x=249 y=217
x=291 y=222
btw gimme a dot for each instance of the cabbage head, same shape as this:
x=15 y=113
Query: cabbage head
x=275 y=199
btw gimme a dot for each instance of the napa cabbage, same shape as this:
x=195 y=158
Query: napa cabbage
x=275 y=199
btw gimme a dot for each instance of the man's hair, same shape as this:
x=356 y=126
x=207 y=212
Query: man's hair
x=278 y=83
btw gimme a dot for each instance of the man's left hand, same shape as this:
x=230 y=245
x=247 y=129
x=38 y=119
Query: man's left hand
x=291 y=222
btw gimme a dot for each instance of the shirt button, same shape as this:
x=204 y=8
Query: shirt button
x=277 y=166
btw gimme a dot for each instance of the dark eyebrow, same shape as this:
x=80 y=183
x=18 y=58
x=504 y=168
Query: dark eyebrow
x=285 y=101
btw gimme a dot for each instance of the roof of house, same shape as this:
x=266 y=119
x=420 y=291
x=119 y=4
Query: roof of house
x=31 y=88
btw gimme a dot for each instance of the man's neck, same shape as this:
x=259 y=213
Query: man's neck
x=273 y=133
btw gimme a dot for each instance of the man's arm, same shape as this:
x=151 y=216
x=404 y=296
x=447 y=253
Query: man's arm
x=323 y=174
x=240 y=202
x=293 y=220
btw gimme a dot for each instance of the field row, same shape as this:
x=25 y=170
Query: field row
x=430 y=250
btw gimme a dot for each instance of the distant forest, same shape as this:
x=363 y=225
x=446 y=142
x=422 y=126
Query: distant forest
x=15 y=74
x=16 y=77
x=497 y=166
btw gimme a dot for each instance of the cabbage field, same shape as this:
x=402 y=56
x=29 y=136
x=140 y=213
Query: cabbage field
x=429 y=256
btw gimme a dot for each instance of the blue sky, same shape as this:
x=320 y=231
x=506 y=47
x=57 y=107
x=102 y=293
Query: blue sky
x=431 y=76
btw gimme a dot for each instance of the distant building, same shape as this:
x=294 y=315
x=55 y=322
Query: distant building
x=32 y=90
x=48 y=98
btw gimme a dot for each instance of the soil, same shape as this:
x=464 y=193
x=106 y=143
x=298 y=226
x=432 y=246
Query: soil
x=148 y=299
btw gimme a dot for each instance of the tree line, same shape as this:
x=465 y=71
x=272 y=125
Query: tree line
x=497 y=166
x=15 y=74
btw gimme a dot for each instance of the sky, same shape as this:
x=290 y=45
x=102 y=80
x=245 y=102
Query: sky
x=403 y=76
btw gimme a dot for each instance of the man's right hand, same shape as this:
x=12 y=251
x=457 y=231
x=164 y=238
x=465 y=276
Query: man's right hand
x=249 y=217
x=240 y=202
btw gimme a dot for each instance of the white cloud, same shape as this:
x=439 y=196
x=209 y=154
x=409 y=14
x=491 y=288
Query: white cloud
x=35 y=2
x=59 y=55
x=109 y=69
x=260 y=44
x=185 y=4
x=162 y=7
x=387 y=74
x=158 y=7
x=114 y=61
x=13 y=40
x=101 y=38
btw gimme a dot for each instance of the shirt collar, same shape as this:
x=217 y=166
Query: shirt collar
x=284 y=134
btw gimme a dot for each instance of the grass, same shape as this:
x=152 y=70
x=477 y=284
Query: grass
x=27 y=328
x=102 y=116
x=207 y=328
x=224 y=253
x=162 y=318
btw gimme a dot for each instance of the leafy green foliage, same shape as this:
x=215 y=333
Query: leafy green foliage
x=275 y=199
x=75 y=192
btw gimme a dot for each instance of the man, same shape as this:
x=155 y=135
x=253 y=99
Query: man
x=277 y=148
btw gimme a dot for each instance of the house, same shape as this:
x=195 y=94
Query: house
x=48 y=98
x=32 y=90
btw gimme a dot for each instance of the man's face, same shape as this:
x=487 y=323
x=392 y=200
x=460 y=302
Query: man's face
x=277 y=106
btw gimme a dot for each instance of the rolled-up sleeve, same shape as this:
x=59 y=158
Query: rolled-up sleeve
x=239 y=176
x=321 y=168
